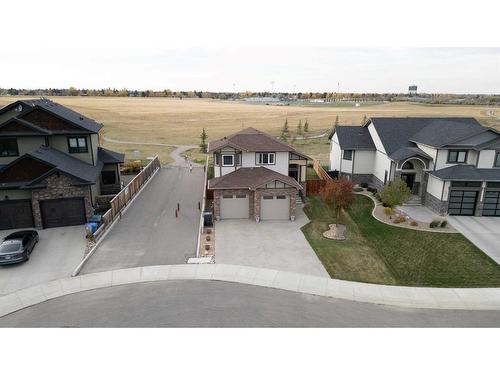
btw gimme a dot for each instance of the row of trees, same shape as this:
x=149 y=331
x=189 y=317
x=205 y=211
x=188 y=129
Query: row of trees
x=284 y=96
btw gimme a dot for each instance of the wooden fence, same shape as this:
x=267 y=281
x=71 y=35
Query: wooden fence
x=320 y=171
x=124 y=197
x=314 y=186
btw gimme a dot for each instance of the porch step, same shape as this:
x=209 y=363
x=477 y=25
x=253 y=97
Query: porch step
x=298 y=199
x=413 y=201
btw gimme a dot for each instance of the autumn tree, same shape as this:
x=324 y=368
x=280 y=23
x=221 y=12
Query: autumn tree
x=338 y=195
x=203 y=144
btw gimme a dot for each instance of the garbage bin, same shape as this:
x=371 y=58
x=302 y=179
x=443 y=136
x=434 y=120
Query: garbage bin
x=208 y=220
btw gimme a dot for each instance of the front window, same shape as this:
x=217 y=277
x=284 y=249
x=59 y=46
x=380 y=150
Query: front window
x=265 y=158
x=77 y=145
x=457 y=156
x=108 y=177
x=227 y=160
x=347 y=154
x=10 y=247
x=8 y=147
x=497 y=159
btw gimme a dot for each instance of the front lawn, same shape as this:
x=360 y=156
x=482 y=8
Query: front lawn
x=379 y=253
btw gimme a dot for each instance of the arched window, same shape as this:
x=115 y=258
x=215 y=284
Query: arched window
x=408 y=165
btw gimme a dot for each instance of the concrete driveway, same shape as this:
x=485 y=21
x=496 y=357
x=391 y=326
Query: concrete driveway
x=274 y=244
x=55 y=256
x=484 y=232
x=149 y=233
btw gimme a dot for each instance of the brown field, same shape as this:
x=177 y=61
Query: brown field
x=174 y=121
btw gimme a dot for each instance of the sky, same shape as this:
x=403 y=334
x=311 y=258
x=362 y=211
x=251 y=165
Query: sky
x=292 y=69
x=218 y=45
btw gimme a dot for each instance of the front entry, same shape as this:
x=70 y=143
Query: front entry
x=293 y=171
x=409 y=179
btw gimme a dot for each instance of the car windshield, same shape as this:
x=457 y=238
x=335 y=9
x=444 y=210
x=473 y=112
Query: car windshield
x=10 y=247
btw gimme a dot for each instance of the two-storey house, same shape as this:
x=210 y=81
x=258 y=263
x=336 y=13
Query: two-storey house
x=51 y=165
x=256 y=176
x=451 y=165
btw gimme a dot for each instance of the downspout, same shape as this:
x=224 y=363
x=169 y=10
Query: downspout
x=92 y=150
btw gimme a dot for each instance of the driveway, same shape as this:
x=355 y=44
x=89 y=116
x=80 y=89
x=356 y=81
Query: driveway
x=149 y=233
x=278 y=245
x=55 y=256
x=484 y=232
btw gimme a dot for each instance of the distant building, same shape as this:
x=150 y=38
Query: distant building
x=412 y=90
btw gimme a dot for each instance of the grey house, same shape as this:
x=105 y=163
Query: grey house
x=451 y=165
x=51 y=165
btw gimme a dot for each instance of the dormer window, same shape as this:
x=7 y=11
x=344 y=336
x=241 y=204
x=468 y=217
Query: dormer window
x=77 y=145
x=265 y=158
x=227 y=160
x=457 y=156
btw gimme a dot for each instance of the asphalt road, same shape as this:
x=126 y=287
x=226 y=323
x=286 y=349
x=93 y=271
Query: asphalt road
x=221 y=304
x=149 y=233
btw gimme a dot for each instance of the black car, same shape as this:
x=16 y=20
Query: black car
x=17 y=246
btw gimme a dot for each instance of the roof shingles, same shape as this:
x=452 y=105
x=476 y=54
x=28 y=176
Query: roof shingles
x=250 y=178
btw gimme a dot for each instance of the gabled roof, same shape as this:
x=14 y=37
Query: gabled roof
x=251 y=139
x=28 y=127
x=407 y=152
x=58 y=110
x=494 y=144
x=354 y=138
x=65 y=163
x=404 y=132
x=109 y=157
x=467 y=173
x=250 y=178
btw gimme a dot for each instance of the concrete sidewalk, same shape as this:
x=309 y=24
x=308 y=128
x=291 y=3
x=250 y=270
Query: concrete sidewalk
x=433 y=298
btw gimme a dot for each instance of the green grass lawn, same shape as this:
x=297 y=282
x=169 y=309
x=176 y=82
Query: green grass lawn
x=379 y=253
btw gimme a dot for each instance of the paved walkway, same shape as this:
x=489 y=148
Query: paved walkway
x=149 y=233
x=484 y=232
x=202 y=303
x=275 y=244
x=408 y=297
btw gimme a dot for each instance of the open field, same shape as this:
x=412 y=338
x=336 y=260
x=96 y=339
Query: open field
x=175 y=121
x=379 y=253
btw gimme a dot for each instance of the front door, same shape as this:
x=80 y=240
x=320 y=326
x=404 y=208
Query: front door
x=293 y=171
x=409 y=179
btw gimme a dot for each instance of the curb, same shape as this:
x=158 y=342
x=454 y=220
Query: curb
x=78 y=268
x=408 y=297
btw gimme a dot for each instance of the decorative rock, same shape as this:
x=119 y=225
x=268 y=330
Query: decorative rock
x=336 y=232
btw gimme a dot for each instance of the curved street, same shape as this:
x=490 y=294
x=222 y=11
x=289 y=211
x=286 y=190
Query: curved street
x=223 y=304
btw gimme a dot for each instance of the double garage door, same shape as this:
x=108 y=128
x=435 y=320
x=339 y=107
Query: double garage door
x=462 y=202
x=491 y=205
x=16 y=214
x=271 y=208
x=62 y=212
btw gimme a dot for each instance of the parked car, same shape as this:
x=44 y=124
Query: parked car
x=17 y=246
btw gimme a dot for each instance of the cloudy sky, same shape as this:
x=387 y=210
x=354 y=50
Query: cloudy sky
x=451 y=70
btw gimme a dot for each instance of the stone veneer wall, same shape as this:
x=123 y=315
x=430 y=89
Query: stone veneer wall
x=59 y=186
x=435 y=204
x=292 y=192
x=377 y=184
x=219 y=193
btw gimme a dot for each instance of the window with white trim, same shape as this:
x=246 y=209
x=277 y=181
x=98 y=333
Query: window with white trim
x=265 y=158
x=227 y=160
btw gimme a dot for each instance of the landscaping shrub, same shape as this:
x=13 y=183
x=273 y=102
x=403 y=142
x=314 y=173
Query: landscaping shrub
x=443 y=224
x=399 y=220
x=364 y=185
x=358 y=189
x=387 y=211
x=434 y=224
x=413 y=223
x=396 y=193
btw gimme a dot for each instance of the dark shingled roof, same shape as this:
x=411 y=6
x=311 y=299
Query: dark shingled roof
x=63 y=162
x=406 y=152
x=354 y=138
x=467 y=173
x=398 y=132
x=250 y=178
x=57 y=109
x=251 y=139
x=109 y=157
x=494 y=144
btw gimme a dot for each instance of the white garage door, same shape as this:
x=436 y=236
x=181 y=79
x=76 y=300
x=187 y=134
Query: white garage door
x=275 y=208
x=234 y=206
